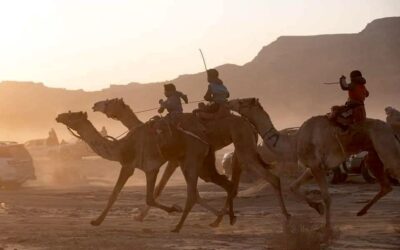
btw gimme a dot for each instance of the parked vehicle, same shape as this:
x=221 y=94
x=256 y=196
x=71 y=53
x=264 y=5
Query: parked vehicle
x=355 y=165
x=16 y=165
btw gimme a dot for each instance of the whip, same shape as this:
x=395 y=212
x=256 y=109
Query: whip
x=331 y=83
x=204 y=61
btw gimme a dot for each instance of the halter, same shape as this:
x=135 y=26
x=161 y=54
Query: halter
x=274 y=135
x=265 y=136
x=80 y=138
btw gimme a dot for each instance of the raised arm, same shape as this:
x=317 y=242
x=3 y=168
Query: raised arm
x=183 y=97
x=343 y=84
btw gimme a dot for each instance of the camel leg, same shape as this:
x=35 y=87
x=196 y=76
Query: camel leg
x=319 y=175
x=125 y=173
x=151 y=177
x=295 y=189
x=236 y=172
x=259 y=167
x=169 y=170
x=191 y=177
x=276 y=184
x=376 y=166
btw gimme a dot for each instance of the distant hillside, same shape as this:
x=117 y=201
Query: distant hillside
x=286 y=75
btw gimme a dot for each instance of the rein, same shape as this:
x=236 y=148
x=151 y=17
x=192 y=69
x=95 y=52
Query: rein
x=147 y=110
x=80 y=138
x=74 y=134
x=192 y=135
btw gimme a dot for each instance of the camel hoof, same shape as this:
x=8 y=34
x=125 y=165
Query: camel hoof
x=177 y=208
x=328 y=234
x=318 y=206
x=95 y=223
x=232 y=220
x=139 y=217
x=176 y=230
x=361 y=213
x=288 y=216
x=215 y=224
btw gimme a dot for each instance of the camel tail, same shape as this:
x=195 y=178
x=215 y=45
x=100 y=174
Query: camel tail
x=209 y=163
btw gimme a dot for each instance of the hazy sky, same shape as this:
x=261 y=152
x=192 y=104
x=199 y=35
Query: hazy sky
x=90 y=44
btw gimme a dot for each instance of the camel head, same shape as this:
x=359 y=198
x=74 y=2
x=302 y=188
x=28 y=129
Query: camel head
x=244 y=105
x=112 y=108
x=392 y=112
x=72 y=120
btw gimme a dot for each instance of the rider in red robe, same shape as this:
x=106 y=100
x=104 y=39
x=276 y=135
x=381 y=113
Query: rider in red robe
x=357 y=93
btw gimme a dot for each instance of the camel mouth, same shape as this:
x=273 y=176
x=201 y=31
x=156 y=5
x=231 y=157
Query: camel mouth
x=98 y=107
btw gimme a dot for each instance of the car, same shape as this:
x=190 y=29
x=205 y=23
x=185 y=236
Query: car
x=354 y=165
x=16 y=165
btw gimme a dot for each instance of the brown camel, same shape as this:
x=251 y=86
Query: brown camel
x=145 y=150
x=321 y=146
x=118 y=110
x=220 y=133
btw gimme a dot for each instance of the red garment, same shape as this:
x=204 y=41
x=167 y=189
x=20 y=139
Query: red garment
x=358 y=93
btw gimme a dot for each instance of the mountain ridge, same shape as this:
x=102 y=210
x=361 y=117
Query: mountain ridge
x=286 y=75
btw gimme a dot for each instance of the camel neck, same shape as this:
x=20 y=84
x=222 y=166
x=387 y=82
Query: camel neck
x=264 y=125
x=129 y=119
x=100 y=145
x=282 y=145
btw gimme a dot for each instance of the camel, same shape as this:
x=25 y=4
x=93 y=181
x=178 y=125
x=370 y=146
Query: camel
x=143 y=149
x=118 y=110
x=320 y=146
x=221 y=133
x=393 y=119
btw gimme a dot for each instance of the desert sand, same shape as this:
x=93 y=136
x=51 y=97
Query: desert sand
x=50 y=217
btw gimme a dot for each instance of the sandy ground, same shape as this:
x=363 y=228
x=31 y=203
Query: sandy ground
x=58 y=218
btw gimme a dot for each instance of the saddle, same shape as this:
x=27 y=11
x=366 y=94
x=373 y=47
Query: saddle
x=347 y=115
x=211 y=111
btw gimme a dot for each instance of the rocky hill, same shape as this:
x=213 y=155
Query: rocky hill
x=286 y=75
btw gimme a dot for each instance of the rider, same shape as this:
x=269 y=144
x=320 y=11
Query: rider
x=173 y=103
x=357 y=94
x=217 y=94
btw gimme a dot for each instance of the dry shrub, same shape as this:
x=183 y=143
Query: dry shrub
x=299 y=234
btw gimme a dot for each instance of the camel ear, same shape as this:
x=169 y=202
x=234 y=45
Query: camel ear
x=85 y=114
x=69 y=111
